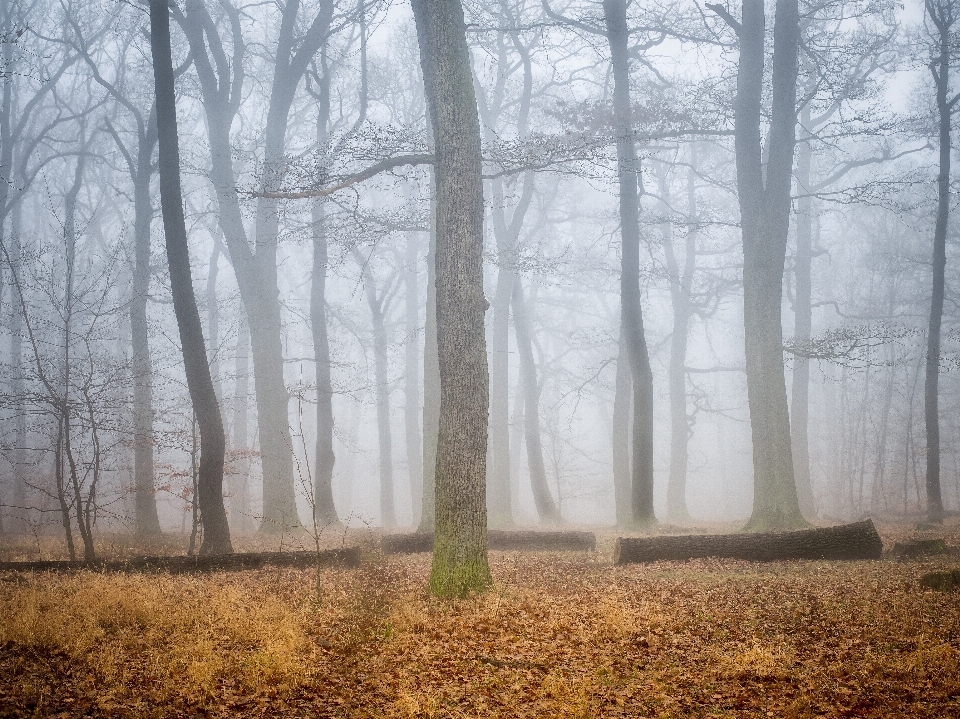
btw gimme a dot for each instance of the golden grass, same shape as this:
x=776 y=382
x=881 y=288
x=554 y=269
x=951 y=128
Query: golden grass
x=558 y=636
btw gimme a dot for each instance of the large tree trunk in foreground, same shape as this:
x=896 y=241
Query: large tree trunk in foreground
x=765 y=220
x=628 y=170
x=849 y=541
x=460 y=549
x=499 y=539
x=942 y=15
x=216 y=531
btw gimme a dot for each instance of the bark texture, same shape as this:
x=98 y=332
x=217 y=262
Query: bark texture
x=849 y=541
x=460 y=547
x=216 y=531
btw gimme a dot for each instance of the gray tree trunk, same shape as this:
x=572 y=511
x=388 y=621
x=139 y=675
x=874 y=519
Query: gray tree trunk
x=681 y=282
x=765 y=220
x=216 y=531
x=411 y=381
x=460 y=546
x=431 y=375
x=620 y=435
x=941 y=13
x=546 y=506
x=239 y=479
x=803 y=321
x=628 y=171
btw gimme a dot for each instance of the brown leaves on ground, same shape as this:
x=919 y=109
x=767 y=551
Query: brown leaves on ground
x=558 y=636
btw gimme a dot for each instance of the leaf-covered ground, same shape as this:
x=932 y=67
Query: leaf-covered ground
x=558 y=636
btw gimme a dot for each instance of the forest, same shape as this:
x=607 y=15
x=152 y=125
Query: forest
x=575 y=358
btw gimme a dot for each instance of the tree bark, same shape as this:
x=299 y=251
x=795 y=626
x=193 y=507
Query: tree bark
x=628 y=171
x=765 y=219
x=941 y=14
x=216 y=534
x=849 y=541
x=460 y=549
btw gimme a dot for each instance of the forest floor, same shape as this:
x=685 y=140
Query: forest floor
x=559 y=635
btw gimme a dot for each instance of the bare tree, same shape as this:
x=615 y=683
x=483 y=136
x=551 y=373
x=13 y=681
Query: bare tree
x=216 y=530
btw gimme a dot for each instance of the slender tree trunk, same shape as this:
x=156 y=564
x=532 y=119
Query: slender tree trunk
x=681 y=281
x=621 y=435
x=941 y=13
x=145 y=506
x=546 y=506
x=498 y=489
x=628 y=170
x=460 y=543
x=240 y=467
x=411 y=382
x=431 y=375
x=19 y=495
x=803 y=321
x=765 y=219
x=388 y=516
x=216 y=534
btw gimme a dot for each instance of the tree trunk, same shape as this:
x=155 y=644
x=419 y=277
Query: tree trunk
x=431 y=376
x=628 y=171
x=460 y=549
x=803 y=321
x=765 y=219
x=377 y=305
x=145 y=506
x=546 y=506
x=620 y=435
x=411 y=383
x=216 y=534
x=324 y=507
x=849 y=541
x=681 y=281
x=240 y=466
x=941 y=14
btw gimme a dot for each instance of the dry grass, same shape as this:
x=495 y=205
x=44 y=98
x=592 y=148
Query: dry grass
x=559 y=636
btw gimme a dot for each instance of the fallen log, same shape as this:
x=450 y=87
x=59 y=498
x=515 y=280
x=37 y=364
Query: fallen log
x=346 y=557
x=941 y=581
x=498 y=539
x=849 y=541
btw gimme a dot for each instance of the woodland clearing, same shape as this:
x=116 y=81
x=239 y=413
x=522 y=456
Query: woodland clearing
x=560 y=635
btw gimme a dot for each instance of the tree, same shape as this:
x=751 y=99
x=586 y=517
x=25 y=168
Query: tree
x=460 y=544
x=942 y=13
x=764 y=196
x=216 y=531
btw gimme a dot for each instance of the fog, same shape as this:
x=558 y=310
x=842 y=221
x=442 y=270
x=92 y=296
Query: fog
x=78 y=160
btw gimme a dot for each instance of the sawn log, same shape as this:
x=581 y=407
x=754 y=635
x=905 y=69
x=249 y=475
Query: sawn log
x=527 y=541
x=347 y=557
x=849 y=541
